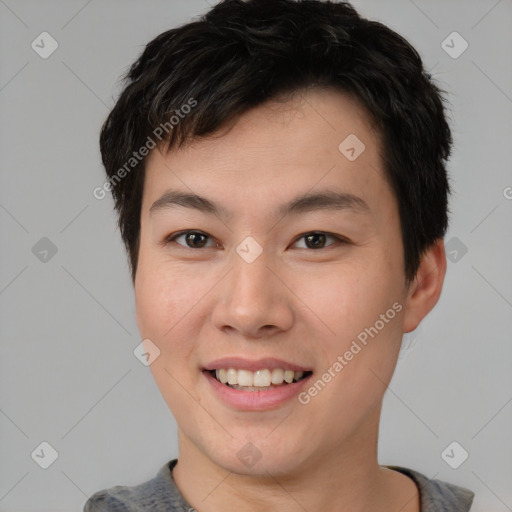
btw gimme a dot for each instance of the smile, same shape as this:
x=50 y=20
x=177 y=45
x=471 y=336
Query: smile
x=255 y=384
x=259 y=380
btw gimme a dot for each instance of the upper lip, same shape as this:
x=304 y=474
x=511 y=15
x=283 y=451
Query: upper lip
x=240 y=363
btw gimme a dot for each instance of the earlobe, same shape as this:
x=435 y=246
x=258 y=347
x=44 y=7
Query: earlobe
x=425 y=290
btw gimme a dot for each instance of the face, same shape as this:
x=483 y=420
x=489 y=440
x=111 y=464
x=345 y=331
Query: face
x=268 y=250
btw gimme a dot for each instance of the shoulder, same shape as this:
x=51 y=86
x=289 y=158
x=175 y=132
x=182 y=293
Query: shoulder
x=159 y=494
x=437 y=495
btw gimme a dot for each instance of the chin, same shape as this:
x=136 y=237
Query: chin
x=262 y=457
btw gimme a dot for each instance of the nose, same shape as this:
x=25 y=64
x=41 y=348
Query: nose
x=253 y=301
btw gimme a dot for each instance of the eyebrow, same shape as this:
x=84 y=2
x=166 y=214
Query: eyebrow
x=322 y=200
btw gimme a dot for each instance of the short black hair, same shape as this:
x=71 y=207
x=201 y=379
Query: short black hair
x=192 y=79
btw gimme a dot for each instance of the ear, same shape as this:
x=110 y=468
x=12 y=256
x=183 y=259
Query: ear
x=425 y=290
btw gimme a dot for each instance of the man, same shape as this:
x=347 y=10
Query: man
x=278 y=168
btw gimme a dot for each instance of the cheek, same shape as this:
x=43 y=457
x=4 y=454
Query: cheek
x=345 y=296
x=348 y=299
x=351 y=305
x=165 y=305
x=163 y=299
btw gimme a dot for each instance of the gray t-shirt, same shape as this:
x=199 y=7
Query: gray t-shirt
x=160 y=494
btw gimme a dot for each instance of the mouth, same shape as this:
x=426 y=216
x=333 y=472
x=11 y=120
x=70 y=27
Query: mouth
x=259 y=380
x=255 y=384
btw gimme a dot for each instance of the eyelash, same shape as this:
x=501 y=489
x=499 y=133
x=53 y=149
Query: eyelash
x=171 y=239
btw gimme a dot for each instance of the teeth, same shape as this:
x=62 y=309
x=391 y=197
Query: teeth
x=260 y=378
x=288 y=376
x=245 y=378
x=222 y=375
x=231 y=376
x=277 y=376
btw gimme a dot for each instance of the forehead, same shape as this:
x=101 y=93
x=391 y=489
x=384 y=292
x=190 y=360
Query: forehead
x=319 y=138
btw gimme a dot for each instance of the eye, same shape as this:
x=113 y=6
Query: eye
x=198 y=240
x=316 y=240
x=193 y=239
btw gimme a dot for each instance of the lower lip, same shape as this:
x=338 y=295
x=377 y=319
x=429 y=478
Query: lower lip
x=256 y=400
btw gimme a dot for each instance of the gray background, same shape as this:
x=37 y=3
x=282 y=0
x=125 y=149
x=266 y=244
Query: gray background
x=68 y=375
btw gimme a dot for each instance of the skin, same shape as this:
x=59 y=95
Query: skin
x=294 y=302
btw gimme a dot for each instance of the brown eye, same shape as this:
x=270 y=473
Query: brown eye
x=193 y=239
x=317 y=240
